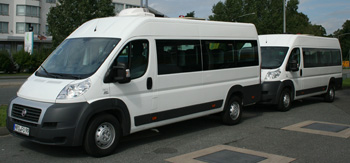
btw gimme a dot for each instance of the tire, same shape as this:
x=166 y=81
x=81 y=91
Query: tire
x=102 y=135
x=330 y=94
x=232 y=113
x=285 y=100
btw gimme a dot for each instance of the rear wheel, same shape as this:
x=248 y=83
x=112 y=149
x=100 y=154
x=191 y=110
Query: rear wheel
x=330 y=94
x=285 y=100
x=233 y=111
x=102 y=135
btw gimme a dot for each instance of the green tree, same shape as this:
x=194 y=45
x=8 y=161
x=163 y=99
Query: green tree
x=23 y=60
x=344 y=38
x=70 y=14
x=267 y=15
x=6 y=63
x=190 y=14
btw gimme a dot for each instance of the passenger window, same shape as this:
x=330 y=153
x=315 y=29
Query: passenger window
x=221 y=54
x=135 y=56
x=178 y=56
x=294 y=55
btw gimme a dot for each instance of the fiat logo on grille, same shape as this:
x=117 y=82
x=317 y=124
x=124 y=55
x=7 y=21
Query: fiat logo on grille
x=24 y=112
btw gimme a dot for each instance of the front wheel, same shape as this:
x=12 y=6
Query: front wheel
x=330 y=94
x=102 y=135
x=285 y=100
x=233 y=111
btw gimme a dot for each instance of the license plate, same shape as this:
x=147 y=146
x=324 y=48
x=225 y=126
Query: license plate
x=21 y=129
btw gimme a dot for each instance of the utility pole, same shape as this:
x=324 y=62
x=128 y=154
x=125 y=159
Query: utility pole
x=284 y=16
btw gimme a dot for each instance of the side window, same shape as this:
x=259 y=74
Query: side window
x=321 y=57
x=294 y=55
x=221 y=54
x=135 y=56
x=336 y=58
x=247 y=53
x=178 y=56
x=218 y=54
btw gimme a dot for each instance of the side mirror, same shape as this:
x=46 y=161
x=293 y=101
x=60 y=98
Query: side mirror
x=119 y=74
x=293 y=65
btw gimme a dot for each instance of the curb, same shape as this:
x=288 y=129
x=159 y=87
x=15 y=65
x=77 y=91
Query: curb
x=11 y=84
x=4 y=131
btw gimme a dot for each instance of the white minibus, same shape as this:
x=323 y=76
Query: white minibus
x=299 y=66
x=119 y=75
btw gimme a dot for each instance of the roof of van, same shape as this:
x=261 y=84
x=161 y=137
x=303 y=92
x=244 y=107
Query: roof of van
x=131 y=26
x=290 y=40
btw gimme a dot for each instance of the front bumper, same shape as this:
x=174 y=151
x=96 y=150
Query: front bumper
x=270 y=92
x=48 y=123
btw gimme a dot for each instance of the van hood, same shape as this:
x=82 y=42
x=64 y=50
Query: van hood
x=42 y=89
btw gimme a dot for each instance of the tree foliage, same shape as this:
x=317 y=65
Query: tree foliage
x=70 y=14
x=190 y=14
x=344 y=39
x=267 y=15
x=6 y=64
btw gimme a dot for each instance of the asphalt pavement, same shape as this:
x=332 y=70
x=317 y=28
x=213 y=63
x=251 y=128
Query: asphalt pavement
x=291 y=135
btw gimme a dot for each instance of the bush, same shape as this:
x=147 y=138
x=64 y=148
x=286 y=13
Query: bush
x=6 y=63
x=30 y=63
x=23 y=60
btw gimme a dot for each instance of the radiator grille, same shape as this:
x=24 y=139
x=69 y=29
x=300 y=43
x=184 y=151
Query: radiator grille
x=26 y=113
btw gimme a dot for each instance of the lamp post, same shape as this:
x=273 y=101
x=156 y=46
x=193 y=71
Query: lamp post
x=284 y=16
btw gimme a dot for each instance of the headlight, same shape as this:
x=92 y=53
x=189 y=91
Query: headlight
x=273 y=74
x=74 y=90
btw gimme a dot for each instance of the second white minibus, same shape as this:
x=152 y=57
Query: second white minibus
x=299 y=66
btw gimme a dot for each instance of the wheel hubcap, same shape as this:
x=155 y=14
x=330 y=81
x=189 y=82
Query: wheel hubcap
x=105 y=135
x=234 y=110
x=286 y=100
x=331 y=93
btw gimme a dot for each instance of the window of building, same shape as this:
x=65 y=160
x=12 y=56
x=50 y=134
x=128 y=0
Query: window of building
x=47 y=32
x=131 y=6
x=4 y=27
x=24 y=27
x=32 y=11
x=178 y=56
x=50 y=1
x=135 y=56
x=118 y=7
x=4 y=9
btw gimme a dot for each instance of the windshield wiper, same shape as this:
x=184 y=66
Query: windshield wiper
x=72 y=76
x=49 y=74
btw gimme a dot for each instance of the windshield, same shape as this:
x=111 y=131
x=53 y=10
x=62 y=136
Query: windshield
x=77 y=58
x=272 y=57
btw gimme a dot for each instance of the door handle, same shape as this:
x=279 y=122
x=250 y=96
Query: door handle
x=149 y=83
x=301 y=72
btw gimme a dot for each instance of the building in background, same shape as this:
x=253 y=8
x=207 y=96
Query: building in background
x=18 y=16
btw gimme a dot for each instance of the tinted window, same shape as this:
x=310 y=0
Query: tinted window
x=229 y=54
x=178 y=56
x=314 y=57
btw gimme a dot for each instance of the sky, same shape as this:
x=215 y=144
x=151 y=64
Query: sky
x=331 y=14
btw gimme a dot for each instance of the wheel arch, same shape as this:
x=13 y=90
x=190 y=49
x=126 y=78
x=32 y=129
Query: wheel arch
x=115 y=107
x=236 y=90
